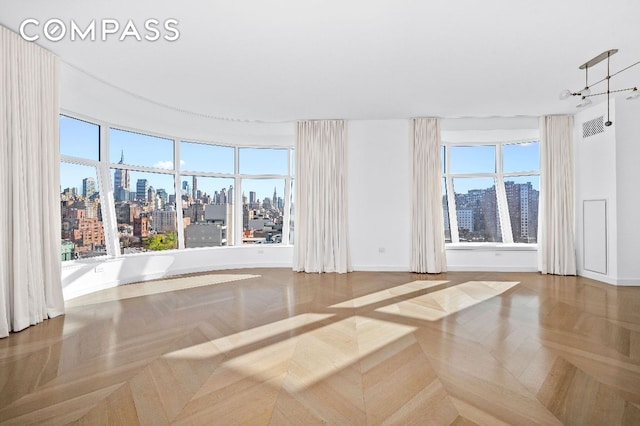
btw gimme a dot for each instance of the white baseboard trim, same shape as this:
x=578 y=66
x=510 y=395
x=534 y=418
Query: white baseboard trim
x=609 y=280
x=380 y=268
x=452 y=268
x=477 y=268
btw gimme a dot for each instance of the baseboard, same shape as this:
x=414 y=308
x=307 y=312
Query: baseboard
x=610 y=280
x=380 y=268
x=478 y=268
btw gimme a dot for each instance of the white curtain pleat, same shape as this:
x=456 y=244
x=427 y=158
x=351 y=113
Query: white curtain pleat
x=30 y=271
x=427 y=220
x=321 y=197
x=556 y=245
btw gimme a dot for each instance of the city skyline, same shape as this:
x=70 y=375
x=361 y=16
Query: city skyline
x=81 y=139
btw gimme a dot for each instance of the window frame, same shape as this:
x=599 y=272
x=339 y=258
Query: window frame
x=499 y=179
x=288 y=178
x=100 y=181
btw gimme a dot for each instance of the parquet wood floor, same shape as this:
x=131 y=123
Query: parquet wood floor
x=270 y=346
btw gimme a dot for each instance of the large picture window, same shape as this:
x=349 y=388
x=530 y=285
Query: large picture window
x=491 y=192
x=167 y=193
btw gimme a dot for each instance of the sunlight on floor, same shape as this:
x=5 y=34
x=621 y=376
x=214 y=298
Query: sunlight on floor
x=439 y=304
x=154 y=287
x=311 y=347
x=388 y=293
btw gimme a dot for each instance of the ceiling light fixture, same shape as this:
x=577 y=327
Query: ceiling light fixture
x=584 y=102
x=635 y=94
x=585 y=93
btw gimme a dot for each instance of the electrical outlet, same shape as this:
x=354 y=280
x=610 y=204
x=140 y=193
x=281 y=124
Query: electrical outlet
x=382 y=250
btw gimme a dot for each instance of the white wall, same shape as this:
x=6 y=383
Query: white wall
x=628 y=191
x=595 y=179
x=379 y=190
x=606 y=168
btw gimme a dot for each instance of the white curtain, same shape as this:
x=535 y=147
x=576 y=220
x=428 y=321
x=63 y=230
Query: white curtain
x=427 y=219
x=321 y=197
x=30 y=282
x=556 y=246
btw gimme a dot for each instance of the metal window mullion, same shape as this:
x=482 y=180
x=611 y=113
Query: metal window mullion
x=110 y=222
x=207 y=174
x=501 y=195
x=451 y=199
x=239 y=207
x=178 y=195
x=286 y=211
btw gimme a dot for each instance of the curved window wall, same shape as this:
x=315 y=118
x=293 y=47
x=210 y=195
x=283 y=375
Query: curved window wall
x=125 y=192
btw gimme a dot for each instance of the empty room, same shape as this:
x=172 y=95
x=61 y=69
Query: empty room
x=304 y=212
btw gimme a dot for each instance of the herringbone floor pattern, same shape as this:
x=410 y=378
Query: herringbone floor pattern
x=270 y=346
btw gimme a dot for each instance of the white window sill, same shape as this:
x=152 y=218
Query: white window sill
x=492 y=246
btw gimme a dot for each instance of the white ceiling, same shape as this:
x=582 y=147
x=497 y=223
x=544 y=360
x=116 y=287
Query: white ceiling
x=283 y=60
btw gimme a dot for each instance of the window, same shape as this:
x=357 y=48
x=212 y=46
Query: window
x=207 y=211
x=200 y=157
x=80 y=204
x=495 y=190
x=168 y=194
x=207 y=197
x=264 y=161
x=263 y=195
x=477 y=209
x=145 y=211
x=140 y=150
x=262 y=211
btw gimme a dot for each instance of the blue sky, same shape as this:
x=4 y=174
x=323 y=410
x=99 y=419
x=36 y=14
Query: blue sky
x=522 y=157
x=81 y=139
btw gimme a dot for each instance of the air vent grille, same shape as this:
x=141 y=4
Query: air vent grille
x=593 y=127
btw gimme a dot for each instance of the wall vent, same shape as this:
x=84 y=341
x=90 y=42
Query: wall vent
x=593 y=127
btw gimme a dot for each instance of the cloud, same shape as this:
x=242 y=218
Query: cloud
x=164 y=164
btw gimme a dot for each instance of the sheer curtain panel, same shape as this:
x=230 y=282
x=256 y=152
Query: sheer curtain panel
x=556 y=246
x=30 y=283
x=321 y=197
x=427 y=219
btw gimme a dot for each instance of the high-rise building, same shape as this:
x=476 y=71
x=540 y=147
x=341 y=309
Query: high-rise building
x=88 y=187
x=142 y=186
x=194 y=188
x=121 y=182
x=151 y=194
x=162 y=194
x=186 y=191
x=522 y=201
